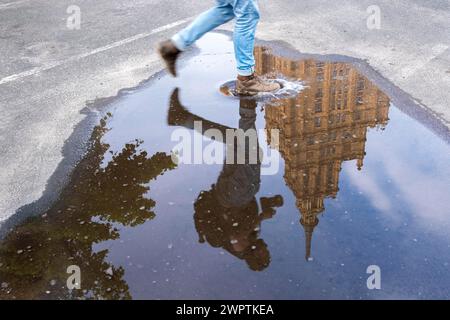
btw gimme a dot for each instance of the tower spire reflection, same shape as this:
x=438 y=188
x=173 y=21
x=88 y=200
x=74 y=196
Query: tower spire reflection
x=325 y=125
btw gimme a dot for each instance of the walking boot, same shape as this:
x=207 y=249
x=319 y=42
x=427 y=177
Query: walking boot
x=169 y=53
x=252 y=85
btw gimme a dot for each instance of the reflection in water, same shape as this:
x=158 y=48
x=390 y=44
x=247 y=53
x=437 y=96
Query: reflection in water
x=94 y=222
x=227 y=215
x=325 y=125
x=34 y=257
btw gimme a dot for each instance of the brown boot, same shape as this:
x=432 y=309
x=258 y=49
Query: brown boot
x=169 y=53
x=252 y=85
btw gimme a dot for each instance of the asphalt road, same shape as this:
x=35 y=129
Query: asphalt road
x=48 y=73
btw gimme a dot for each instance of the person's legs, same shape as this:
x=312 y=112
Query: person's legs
x=247 y=18
x=207 y=21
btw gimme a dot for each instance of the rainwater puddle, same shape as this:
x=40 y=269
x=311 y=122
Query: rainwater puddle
x=356 y=182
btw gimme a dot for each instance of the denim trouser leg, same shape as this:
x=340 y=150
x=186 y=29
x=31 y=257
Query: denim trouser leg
x=246 y=13
x=247 y=17
x=207 y=21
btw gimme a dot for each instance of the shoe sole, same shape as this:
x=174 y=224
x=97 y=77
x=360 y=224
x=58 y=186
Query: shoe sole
x=247 y=94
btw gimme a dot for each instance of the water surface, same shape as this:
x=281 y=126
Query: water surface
x=359 y=183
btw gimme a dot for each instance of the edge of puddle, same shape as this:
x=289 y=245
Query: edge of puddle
x=77 y=144
x=75 y=148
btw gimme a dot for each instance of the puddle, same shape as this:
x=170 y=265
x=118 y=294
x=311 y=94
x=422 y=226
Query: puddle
x=358 y=183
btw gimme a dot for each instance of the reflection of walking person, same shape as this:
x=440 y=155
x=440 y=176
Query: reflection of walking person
x=246 y=13
x=228 y=215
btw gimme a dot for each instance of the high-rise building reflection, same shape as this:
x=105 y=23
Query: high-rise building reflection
x=325 y=125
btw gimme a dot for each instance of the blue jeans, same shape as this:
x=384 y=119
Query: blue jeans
x=246 y=13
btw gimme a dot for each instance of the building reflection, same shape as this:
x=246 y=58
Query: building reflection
x=325 y=125
x=106 y=191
